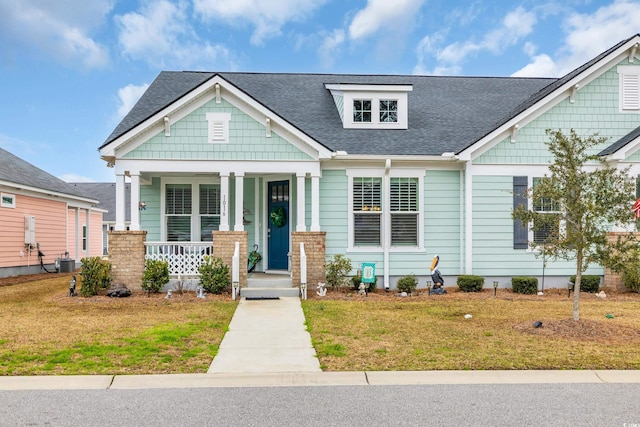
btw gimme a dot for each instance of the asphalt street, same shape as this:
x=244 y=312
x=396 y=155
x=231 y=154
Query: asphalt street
x=568 y=404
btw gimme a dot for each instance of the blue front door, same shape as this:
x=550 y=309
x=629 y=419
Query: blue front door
x=278 y=225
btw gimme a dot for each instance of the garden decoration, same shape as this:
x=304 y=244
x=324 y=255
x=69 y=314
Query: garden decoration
x=254 y=258
x=438 y=281
x=278 y=217
x=72 y=286
x=200 y=293
x=322 y=290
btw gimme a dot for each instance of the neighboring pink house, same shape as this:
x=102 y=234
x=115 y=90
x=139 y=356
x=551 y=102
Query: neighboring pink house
x=41 y=214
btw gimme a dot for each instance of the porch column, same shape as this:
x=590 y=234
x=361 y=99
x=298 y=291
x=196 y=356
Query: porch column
x=315 y=203
x=238 y=222
x=224 y=201
x=88 y=232
x=120 y=203
x=135 y=201
x=300 y=202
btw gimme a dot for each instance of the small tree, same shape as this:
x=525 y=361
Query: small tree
x=337 y=269
x=590 y=197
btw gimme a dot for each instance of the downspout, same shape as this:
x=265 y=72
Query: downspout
x=386 y=239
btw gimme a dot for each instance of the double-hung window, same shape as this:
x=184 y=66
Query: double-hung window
x=385 y=212
x=404 y=208
x=178 y=212
x=191 y=211
x=550 y=207
x=367 y=211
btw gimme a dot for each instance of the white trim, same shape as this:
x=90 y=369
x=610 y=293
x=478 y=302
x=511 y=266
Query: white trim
x=47 y=194
x=629 y=88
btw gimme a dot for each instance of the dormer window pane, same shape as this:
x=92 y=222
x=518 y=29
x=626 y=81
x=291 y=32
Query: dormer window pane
x=388 y=111
x=362 y=110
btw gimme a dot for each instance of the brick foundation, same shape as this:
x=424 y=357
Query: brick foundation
x=224 y=244
x=315 y=249
x=126 y=255
x=611 y=279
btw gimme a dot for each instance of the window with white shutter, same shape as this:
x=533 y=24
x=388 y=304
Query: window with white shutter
x=367 y=211
x=403 y=200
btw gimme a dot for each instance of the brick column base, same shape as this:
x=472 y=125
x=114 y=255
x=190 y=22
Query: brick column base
x=126 y=255
x=611 y=279
x=224 y=244
x=315 y=249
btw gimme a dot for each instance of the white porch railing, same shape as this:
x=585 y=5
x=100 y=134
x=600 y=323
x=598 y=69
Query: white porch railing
x=184 y=258
x=303 y=272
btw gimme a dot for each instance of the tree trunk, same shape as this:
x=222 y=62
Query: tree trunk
x=576 y=287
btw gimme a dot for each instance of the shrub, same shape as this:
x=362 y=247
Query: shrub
x=96 y=275
x=470 y=283
x=356 y=280
x=215 y=276
x=524 y=285
x=587 y=283
x=631 y=277
x=407 y=283
x=156 y=275
x=337 y=269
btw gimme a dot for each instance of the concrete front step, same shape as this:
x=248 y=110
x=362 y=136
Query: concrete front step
x=266 y=292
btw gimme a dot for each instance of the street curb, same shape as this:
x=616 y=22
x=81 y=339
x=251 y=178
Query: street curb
x=313 y=379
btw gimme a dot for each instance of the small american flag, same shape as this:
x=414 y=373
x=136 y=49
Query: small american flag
x=636 y=209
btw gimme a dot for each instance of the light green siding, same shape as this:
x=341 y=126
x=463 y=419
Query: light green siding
x=334 y=210
x=493 y=253
x=188 y=140
x=339 y=101
x=150 y=217
x=595 y=110
x=442 y=221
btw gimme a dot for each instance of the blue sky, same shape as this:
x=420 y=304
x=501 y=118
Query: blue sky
x=70 y=70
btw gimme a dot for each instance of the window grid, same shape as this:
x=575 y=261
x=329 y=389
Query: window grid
x=548 y=206
x=388 y=111
x=362 y=110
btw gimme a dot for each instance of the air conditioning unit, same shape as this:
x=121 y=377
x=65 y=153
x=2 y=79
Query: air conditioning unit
x=29 y=230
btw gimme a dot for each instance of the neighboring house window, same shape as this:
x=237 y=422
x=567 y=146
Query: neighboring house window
x=547 y=206
x=178 y=212
x=209 y=211
x=629 y=87
x=362 y=110
x=404 y=211
x=84 y=238
x=8 y=200
x=388 y=111
x=367 y=211
x=218 y=127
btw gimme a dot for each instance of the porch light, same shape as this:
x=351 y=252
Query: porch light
x=235 y=287
x=429 y=284
x=495 y=287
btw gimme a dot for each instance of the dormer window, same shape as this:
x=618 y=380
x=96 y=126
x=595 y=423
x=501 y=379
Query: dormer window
x=362 y=111
x=372 y=106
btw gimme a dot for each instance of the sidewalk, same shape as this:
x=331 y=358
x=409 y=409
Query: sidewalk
x=266 y=336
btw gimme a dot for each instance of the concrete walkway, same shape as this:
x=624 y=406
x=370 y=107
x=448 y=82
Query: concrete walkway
x=266 y=336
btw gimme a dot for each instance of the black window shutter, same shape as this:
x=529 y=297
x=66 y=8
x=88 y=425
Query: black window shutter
x=520 y=231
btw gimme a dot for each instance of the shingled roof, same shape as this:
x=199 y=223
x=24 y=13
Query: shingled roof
x=445 y=113
x=22 y=173
x=105 y=192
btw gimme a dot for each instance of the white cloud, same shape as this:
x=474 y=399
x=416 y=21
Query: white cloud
x=329 y=48
x=58 y=29
x=516 y=25
x=587 y=35
x=71 y=177
x=383 y=15
x=267 y=16
x=128 y=96
x=160 y=34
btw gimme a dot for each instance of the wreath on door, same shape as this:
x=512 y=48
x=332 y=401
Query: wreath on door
x=278 y=217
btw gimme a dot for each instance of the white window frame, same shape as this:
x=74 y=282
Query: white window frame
x=5 y=203
x=531 y=231
x=195 y=203
x=386 y=209
x=629 y=88
x=84 y=238
x=218 y=128
x=375 y=93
